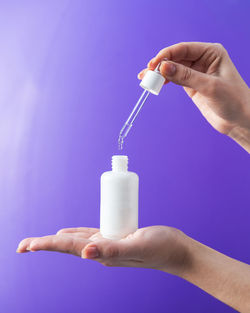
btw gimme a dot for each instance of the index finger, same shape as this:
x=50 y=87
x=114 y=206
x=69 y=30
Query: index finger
x=184 y=51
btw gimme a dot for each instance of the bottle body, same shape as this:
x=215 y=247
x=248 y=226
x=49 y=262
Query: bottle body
x=119 y=204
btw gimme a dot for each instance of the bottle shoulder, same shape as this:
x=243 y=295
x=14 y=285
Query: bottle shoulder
x=113 y=174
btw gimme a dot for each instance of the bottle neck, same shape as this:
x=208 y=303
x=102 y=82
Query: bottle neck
x=119 y=163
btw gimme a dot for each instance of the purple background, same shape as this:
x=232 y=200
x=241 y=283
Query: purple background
x=68 y=80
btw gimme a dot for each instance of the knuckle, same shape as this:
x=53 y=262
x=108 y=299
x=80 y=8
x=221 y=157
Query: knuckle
x=165 y=52
x=186 y=74
x=60 y=231
x=182 y=43
x=219 y=46
x=182 y=46
x=162 y=51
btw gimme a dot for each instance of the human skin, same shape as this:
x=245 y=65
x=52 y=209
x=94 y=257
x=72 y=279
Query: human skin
x=158 y=247
x=211 y=80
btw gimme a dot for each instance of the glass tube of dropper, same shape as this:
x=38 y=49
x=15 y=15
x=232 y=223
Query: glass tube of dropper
x=129 y=123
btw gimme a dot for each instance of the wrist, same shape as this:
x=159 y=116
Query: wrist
x=241 y=131
x=241 y=135
x=179 y=261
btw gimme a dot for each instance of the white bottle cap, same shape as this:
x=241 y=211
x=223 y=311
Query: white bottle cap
x=153 y=82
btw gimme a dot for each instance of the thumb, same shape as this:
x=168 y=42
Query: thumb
x=184 y=76
x=109 y=250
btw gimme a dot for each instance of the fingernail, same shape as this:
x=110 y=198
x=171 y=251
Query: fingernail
x=92 y=253
x=169 y=69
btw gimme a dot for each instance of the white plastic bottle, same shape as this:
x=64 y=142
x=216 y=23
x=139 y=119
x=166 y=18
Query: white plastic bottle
x=119 y=200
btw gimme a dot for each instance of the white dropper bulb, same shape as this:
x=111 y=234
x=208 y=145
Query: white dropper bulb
x=153 y=81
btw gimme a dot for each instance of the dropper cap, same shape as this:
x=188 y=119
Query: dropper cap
x=153 y=81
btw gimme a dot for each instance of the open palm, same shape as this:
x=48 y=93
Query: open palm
x=158 y=247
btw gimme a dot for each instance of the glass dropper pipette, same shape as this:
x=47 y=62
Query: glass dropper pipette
x=152 y=82
x=129 y=123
